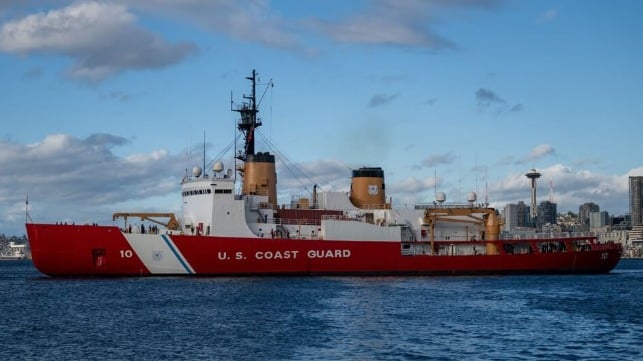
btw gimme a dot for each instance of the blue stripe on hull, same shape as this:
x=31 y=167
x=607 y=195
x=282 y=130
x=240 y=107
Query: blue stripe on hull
x=176 y=254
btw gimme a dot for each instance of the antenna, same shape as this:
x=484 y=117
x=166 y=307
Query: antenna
x=477 y=170
x=249 y=120
x=486 y=193
x=459 y=176
x=551 y=188
x=435 y=184
x=27 y=216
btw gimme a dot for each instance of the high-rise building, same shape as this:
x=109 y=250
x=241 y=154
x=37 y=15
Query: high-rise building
x=598 y=219
x=516 y=216
x=636 y=200
x=585 y=209
x=546 y=213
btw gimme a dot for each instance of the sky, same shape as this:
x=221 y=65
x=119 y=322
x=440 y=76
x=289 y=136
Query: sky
x=104 y=105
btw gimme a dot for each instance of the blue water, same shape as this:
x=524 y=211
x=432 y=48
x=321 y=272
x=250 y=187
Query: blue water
x=323 y=318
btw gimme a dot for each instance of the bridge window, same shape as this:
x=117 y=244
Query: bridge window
x=195 y=192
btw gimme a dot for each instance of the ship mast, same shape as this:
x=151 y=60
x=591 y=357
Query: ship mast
x=249 y=121
x=258 y=169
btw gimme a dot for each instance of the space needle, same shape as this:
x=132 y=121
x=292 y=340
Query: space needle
x=533 y=175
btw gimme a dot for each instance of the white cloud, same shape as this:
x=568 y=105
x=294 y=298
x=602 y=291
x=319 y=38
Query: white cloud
x=70 y=29
x=389 y=23
x=105 y=38
x=412 y=186
x=538 y=152
x=71 y=178
x=541 y=150
x=438 y=159
x=142 y=159
x=571 y=188
x=296 y=177
x=406 y=23
x=252 y=21
x=102 y=38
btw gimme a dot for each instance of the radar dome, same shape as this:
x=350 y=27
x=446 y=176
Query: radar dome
x=196 y=171
x=217 y=167
x=471 y=197
x=441 y=197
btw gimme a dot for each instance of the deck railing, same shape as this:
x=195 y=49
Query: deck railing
x=546 y=235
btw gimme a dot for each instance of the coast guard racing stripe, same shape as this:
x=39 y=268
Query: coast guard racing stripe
x=159 y=254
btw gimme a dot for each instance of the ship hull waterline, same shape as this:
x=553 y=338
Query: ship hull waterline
x=66 y=250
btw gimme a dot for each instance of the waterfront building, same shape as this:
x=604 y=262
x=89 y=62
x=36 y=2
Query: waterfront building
x=585 y=209
x=636 y=200
x=598 y=219
x=516 y=216
x=547 y=213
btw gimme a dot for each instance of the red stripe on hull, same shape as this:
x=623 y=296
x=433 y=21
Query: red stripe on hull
x=70 y=250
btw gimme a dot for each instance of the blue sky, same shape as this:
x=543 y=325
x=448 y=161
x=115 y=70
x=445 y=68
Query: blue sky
x=103 y=105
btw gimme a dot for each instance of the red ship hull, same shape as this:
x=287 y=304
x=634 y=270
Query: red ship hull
x=69 y=250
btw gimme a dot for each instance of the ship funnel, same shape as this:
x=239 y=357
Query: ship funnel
x=367 y=188
x=260 y=177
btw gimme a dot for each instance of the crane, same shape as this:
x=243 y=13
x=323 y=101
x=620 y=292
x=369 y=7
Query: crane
x=171 y=224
